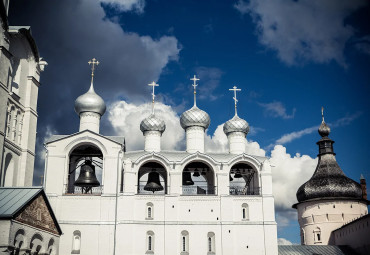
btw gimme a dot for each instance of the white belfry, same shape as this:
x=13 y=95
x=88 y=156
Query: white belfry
x=90 y=106
x=236 y=129
x=195 y=122
x=152 y=128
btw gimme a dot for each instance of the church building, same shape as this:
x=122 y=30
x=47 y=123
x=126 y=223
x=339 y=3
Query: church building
x=111 y=201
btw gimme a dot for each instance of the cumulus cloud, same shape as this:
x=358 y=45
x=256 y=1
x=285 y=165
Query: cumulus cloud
x=283 y=241
x=276 y=109
x=288 y=174
x=305 y=30
x=126 y=117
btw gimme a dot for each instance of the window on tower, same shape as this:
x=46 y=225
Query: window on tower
x=184 y=242
x=149 y=211
x=150 y=242
x=211 y=243
x=245 y=211
x=317 y=235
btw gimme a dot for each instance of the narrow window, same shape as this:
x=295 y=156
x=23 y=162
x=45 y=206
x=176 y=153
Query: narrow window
x=149 y=243
x=211 y=243
x=184 y=242
x=149 y=211
x=76 y=242
x=317 y=235
x=245 y=212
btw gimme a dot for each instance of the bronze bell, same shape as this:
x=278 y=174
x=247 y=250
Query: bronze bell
x=196 y=173
x=186 y=179
x=237 y=174
x=153 y=184
x=87 y=177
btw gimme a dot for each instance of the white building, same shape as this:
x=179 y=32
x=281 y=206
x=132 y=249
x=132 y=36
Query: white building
x=330 y=199
x=154 y=201
x=20 y=68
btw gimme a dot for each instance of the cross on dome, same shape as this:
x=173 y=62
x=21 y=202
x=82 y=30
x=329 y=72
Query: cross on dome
x=195 y=79
x=93 y=62
x=153 y=84
x=235 y=89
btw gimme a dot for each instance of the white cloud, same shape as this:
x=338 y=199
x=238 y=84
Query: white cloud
x=125 y=119
x=277 y=109
x=305 y=30
x=288 y=174
x=283 y=241
x=127 y=5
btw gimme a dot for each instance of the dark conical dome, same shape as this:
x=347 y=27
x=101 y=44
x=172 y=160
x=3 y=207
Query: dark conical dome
x=328 y=180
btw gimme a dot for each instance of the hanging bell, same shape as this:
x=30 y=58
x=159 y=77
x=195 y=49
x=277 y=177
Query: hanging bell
x=237 y=174
x=186 y=179
x=87 y=177
x=153 y=184
x=196 y=173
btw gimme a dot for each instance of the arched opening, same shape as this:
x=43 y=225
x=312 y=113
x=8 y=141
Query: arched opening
x=85 y=170
x=317 y=235
x=149 y=211
x=184 y=242
x=76 y=242
x=19 y=239
x=36 y=244
x=243 y=180
x=198 y=179
x=8 y=171
x=51 y=247
x=245 y=211
x=152 y=179
x=211 y=246
x=149 y=242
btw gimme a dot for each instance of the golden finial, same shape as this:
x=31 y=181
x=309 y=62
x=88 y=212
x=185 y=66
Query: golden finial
x=322 y=113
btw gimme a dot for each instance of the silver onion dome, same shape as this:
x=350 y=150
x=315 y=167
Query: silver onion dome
x=236 y=124
x=90 y=102
x=152 y=123
x=195 y=117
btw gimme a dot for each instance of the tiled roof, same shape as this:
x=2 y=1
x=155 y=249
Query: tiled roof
x=13 y=199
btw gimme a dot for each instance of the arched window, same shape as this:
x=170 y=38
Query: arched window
x=245 y=211
x=9 y=171
x=152 y=179
x=85 y=170
x=149 y=211
x=302 y=236
x=184 y=242
x=150 y=242
x=198 y=178
x=51 y=247
x=76 y=242
x=243 y=180
x=211 y=243
x=19 y=239
x=36 y=244
x=317 y=235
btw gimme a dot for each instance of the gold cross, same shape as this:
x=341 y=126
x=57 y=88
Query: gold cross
x=322 y=113
x=153 y=84
x=93 y=62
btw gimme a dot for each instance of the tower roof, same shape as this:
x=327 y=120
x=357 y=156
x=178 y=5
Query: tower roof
x=328 y=180
x=236 y=124
x=152 y=123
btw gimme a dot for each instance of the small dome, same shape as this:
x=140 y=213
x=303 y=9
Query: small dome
x=236 y=124
x=195 y=117
x=324 y=130
x=90 y=102
x=152 y=123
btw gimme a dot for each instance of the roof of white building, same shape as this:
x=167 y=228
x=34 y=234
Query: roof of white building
x=315 y=250
x=116 y=139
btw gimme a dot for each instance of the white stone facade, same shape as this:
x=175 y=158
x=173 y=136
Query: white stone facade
x=20 y=68
x=318 y=219
x=194 y=139
x=216 y=218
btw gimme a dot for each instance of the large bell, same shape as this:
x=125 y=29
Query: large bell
x=87 y=177
x=186 y=179
x=153 y=184
x=196 y=173
x=237 y=174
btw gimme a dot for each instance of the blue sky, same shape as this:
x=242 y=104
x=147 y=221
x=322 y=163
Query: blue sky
x=290 y=58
